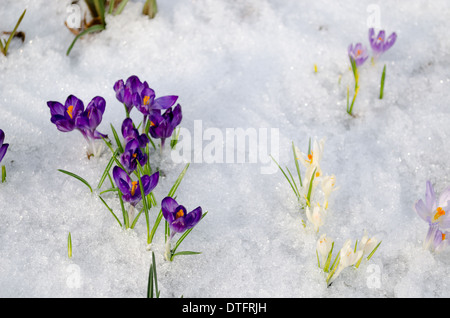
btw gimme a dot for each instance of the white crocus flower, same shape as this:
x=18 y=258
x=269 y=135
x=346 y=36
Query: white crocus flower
x=316 y=217
x=328 y=186
x=323 y=246
x=312 y=161
x=347 y=257
x=367 y=244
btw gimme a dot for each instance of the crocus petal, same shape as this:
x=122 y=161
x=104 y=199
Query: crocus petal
x=56 y=108
x=422 y=210
x=165 y=102
x=3 y=149
x=78 y=106
x=62 y=124
x=150 y=182
x=390 y=41
x=2 y=137
x=168 y=206
x=121 y=179
x=193 y=217
x=430 y=197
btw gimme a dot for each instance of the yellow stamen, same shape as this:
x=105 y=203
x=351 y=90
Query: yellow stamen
x=134 y=155
x=146 y=100
x=440 y=212
x=69 y=111
x=133 y=187
x=380 y=39
x=317 y=174
x=179 y=214
x=310 y=157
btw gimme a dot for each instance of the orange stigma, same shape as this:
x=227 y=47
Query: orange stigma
x=179 y=214
x=440 y=212
x=69 y=111
x=443 y=236
x=146 y=100
x=152 y=124
x=358 y=52
x=133 y=187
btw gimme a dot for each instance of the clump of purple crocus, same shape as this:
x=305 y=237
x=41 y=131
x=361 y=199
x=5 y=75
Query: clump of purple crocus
x=358 y=54
x=380 y=43
x=3 y=148
x=72 y=115
x=162 y=126
x=436 y=212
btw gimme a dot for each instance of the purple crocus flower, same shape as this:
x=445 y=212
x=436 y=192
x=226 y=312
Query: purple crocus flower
x=146 y=103
x=125 y=91
x=64 y=116
x=162 y=126
x=131 y=189
x=132 y=155
x=3 y=147
x=435 y=210
x=179 y=220
x=89 y=120
x=379 y=43
x=72 y=115
x=358 y=53
x=129 y=132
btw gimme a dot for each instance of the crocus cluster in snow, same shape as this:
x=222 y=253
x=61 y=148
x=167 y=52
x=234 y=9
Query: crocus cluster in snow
x=133 y=176
x=316 y=187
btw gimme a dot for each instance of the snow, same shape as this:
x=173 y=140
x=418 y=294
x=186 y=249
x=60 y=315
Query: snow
x=233 y=64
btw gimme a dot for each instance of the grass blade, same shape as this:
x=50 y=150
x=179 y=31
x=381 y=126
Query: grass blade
x=94 y=28
x=69 y=245
x=106 y=171
x=116 y=137
x=13 y=32
x=285 y=175
x=110 y=210
x=76 y=177
x=297 y=167
x=374 y=250
x=121 y=7
x=182 y=237
x=383 y=77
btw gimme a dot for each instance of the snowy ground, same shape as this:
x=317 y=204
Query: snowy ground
x=233 y=64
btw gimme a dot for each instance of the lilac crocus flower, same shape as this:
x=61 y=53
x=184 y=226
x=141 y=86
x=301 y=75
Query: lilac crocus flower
x=125 y=91
x=132 y=155
x=435 y=210
x=129 y=133
x=162 y=126
x=131 y=189
x=3 y=147
x=436 y=239
x=379 y=43
x=358 y=53
x=178 y=218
